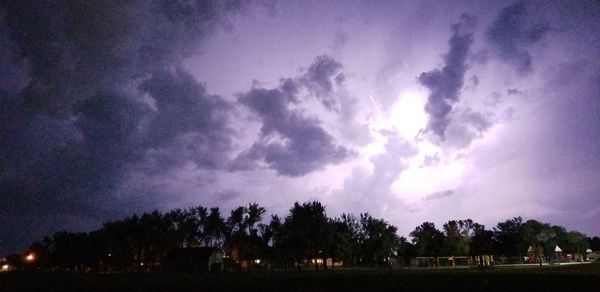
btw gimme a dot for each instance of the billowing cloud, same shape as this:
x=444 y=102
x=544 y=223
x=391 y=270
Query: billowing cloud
x=374 y=188
x=445 y=83
x=466 y=126
x=289 y=142
x=514 y=30
x=74 y=49
x=321 y=78
x=74 y=119
x=188 y=124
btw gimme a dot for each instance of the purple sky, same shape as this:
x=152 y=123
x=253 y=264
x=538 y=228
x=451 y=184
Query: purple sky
x=411 y=111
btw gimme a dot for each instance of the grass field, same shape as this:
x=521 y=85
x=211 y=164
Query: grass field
x=573 y=278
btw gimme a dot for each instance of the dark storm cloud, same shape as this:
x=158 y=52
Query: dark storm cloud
x=439 y=195
x=445 y=84
x=325 y=81
x=289 y=143
x=515 y=30
x=226 y=195
x=321 y=78
x=73 y=121
x=466 y=126
x=188 y=122
x=75 y=48
x=13 y=73
x=59 y=172
x=512 y=91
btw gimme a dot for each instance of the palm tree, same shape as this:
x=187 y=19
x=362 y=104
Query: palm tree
x=214 y=228
x=254 y=214
x=235 y=233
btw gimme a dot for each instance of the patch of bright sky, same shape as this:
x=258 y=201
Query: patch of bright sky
x=407 y=118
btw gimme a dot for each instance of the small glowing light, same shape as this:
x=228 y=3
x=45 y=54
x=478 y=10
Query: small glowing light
x=110 y=254
x=257 y=261
x=5 y=267
x=141 y=264
x=30 y=257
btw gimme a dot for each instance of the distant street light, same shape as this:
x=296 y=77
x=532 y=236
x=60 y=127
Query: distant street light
x=5 y=267
x=30 y=257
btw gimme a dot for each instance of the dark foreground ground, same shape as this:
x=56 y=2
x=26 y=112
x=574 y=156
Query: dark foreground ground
x=573 y=278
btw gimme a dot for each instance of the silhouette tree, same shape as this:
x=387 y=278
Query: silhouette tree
x=509 y=235
x=405 y=250
x=341 y=241
x=235 y=234
x=578 y=244
x=458 y=237
x=254 y=214
x=482 y=242
x=307 y=236
x=139 y=243
x=200 y=218
x=355 y=236
x=537 y=235
x=380 y=239
x=279 y=252
x=186 y=225
x=254 y=246
x=594 y=243
x=214 y=228
x=428 y=240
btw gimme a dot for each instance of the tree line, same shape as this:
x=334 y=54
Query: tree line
x=306 y=234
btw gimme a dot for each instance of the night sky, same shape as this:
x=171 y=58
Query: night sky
x=410 y=110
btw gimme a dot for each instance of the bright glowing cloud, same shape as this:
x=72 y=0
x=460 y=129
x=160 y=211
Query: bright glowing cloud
x=408 y=116
x=416 y=183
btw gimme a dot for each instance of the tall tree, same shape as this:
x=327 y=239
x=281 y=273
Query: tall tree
x=254 y=246
x=482 y=242
x=307 y=231
x=356 y=237
x=279 y=247
x=594 y=243
x=187 y=225
x=579 y=244
x=509 y=235
x=380 y=239
x=254 y=214
x=405 y=250
x=538 y=236
x=214 y=228
x=429 y=240
x=458 y=236
x=158 y=236
x=235 y=234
